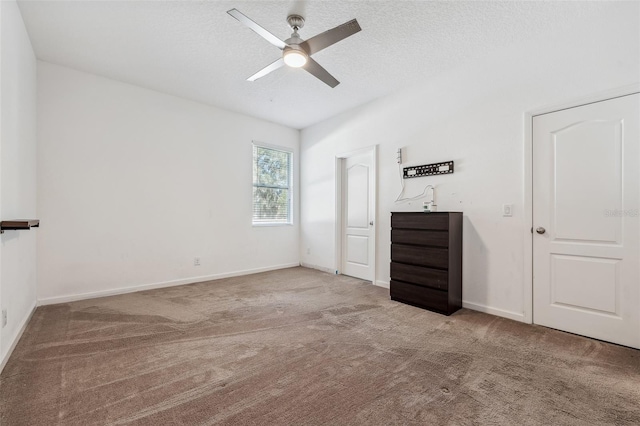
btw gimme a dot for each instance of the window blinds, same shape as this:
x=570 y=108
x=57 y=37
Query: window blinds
x=271 y=185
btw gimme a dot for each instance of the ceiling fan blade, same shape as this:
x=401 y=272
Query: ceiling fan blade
x=314 y=68
x=266 y=70
x=257 y=29
x=329 y=37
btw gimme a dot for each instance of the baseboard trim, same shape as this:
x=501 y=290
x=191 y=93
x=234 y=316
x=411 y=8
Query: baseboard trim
x=384 y=284
x=494 y=311
x=23 y=327
x=319 y=268
x=123 y=290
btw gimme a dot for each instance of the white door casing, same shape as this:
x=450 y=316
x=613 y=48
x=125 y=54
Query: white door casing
x=586 y=196
x=357 y=215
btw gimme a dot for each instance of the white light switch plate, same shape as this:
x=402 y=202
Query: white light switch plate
x=507 y=210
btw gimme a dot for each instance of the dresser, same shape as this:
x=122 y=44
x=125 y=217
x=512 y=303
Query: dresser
x=426 y=260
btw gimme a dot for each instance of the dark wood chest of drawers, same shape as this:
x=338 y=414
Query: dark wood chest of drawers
x=426 y=260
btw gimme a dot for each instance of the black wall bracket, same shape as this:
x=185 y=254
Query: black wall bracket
x=443 y=168
x=18 y=224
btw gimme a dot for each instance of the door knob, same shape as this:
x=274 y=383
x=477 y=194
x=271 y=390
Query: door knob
x=541 y=230
x=371 y=223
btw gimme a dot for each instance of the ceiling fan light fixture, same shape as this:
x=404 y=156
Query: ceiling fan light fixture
x=295 y=58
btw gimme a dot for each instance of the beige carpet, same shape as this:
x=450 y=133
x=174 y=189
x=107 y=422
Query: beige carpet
x=301 y=347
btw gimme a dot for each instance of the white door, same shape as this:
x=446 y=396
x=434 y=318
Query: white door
x=586 y=269
x=358 y=207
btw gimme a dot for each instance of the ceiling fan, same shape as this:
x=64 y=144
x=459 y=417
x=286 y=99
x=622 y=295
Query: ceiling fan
x=297 y=52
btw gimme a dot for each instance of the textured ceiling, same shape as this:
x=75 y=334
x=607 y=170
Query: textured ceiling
x=193 y=49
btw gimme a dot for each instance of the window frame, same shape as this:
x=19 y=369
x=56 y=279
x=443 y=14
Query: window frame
x=290 y=153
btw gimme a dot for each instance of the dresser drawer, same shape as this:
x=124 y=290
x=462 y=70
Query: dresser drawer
x=420 y=237
x=434 y=278
x=421 y=256
x=436 y=221
x=419 y=296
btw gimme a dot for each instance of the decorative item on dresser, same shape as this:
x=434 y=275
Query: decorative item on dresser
x=426 y=260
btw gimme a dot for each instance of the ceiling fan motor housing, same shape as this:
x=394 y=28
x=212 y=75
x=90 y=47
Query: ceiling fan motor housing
x=296 y=48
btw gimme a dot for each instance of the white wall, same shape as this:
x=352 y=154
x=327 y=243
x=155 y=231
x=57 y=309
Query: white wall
x=133 y=184
x=17 y=173
x=473 y=115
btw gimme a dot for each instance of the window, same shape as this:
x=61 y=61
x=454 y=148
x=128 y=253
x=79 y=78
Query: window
x=271 y=186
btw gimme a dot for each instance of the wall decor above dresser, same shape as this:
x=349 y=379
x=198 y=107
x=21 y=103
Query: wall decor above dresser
x=426 y=260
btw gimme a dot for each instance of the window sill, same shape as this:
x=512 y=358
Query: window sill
x=269 y=224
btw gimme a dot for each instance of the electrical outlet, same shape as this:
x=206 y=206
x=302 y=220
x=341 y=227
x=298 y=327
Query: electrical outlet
x=4 y=318
x=308 y=250
x=507 y=210
x=196 y=261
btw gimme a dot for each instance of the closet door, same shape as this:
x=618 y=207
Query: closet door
x=586 y=269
